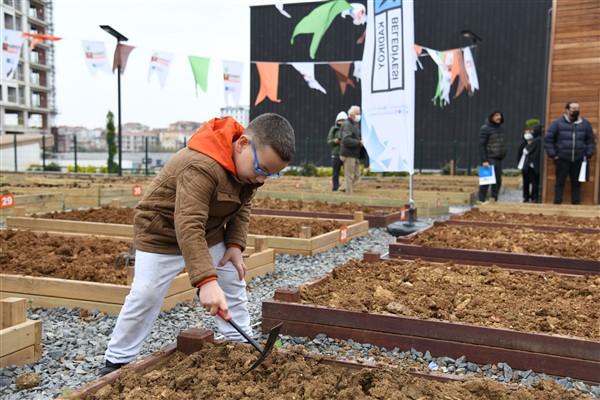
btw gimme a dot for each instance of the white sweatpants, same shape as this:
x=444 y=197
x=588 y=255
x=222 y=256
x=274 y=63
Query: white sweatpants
x=153 y=276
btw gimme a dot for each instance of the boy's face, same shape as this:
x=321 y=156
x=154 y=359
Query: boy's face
x=254 y=165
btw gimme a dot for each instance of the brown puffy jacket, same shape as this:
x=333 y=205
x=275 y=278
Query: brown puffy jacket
x=193 y=204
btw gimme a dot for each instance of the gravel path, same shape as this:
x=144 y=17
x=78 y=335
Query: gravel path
x=73 y=347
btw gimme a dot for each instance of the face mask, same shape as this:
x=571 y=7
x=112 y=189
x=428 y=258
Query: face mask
x=357 y=118
x=575 y=114
x=528 y=136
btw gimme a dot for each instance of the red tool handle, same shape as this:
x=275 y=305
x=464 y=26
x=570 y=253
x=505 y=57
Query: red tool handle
x=227 y=318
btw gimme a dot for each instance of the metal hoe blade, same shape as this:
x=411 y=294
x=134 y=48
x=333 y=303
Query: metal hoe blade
x=273 y=335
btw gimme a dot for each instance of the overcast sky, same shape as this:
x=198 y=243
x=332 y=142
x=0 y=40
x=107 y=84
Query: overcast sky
x=207 y=28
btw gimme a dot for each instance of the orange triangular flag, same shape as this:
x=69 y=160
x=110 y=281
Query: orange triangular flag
x=269 y=81
x=342 y=70
x=418 y=49
x=454 y=66
x=463 y=77
x=121 y=55
x=37 y=38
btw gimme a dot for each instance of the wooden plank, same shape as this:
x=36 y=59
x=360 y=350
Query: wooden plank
x=493 y=225
x=19 y=336
x=58 y=225
x=54 y=302
x=544 y=209
x=501 y=259
x=25 y=355
x=13 y=310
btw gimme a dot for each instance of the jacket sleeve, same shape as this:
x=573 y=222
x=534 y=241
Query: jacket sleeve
x=590 y=141
x=348 y=140
x=522 y=146
x=550 y=139
x=483 y=139
x=331 y=136
x=195 y=188
x=236 y=231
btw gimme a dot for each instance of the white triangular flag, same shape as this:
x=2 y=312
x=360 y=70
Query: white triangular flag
x=160 y=64
x=307 y=70
x=11 y=51
x=96 y=57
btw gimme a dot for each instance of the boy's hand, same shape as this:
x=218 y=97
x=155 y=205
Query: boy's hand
x=234 y=255
x=212 y=298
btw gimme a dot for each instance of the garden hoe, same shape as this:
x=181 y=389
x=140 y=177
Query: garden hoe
x=273 y=334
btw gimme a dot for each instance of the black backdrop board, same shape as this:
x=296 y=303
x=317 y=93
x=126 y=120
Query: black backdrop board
x=511 y=66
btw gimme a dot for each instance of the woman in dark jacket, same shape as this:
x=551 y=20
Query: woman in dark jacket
x=530 y=148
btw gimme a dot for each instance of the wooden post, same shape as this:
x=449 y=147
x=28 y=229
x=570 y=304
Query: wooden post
x=13 y=310
x=451 y=167
x=305 y=232
x=260 y=244
x=290 y=295
x=115 y=203
x=359 y=216
x=371 y=257
x=192 y=340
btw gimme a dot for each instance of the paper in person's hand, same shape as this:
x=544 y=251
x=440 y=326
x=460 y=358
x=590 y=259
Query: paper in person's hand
x=487 y=176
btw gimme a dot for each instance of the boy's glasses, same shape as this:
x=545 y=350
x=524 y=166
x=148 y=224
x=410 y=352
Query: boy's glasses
x=257 y=169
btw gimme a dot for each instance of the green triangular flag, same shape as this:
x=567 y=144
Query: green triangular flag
x=200 y=70
x=318 y=21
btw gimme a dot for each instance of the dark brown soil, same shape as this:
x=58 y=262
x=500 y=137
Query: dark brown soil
x=319 y=206
x=270 y=226
x=215 y=372
x=522 y=241
x=532 y=219
x=490 y=296
x=66 y=257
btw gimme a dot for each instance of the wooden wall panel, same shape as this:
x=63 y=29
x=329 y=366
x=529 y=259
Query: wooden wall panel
x=574 y=74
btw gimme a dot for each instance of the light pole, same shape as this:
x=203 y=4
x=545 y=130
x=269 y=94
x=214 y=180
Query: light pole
x=120 y=38
x=474 y=39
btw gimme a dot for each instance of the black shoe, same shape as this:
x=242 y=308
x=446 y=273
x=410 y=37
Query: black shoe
x=110 y=367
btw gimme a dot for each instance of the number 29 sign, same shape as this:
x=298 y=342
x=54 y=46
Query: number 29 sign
x=7 y=200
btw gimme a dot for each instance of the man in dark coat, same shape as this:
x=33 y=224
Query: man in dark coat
x=492 y=150
x=569 y=139
x=350 y=149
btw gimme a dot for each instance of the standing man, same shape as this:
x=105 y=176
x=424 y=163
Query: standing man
x=492 y=150
x=350 y=149
x=334 y=140
x=568 y=141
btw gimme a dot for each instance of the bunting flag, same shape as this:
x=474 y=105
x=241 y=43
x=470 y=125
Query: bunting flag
x=160 y=64
x=307 y=70
x=358 y=13
x=11 y=51
x=96 y=57
x=470 y=68
x=418 y=52
x=342 y=70
x=122 y=52
x=318 y=21
x=279 y=6
x=388 y=86
x=461 y=72
x=269 y=81
x=232 y=77
x=37 y=38
x=357 y=68
x=200 y=70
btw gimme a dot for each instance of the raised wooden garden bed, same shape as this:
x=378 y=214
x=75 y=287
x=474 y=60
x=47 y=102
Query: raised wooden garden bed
x=536 y=219
x=585 y=211
x=108 y=297
x=535 y=250
x=182 y=370
x=21 y=338
x=493 y=225
x=308 y=245
x=561 y=355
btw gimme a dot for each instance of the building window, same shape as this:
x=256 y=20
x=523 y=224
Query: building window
x=22 y=95
x=9 y=21
x=35 y=100
x=12 y=94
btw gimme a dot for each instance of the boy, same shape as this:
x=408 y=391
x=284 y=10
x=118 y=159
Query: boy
x=195 y=214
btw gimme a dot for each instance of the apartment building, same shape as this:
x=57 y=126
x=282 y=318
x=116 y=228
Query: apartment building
x=27 y=101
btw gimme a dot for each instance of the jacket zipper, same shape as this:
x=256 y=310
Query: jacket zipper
x=573 y=146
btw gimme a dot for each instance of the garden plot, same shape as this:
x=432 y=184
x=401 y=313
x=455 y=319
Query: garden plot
x=215 y=371
x=545 y=322
x=55 y=270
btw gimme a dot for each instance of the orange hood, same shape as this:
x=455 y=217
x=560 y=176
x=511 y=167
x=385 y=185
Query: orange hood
x=215 y=138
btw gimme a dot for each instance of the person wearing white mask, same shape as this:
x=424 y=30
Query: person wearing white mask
x=350 y=149
x=529 y=155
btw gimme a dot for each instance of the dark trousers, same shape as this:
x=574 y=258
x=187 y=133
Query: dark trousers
x=566 y=168
x=496 y=187
x=531 y=186
x=336 y=163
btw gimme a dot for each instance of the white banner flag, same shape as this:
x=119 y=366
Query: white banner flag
x=232 y=77
x=470 y=67
x=96 y=57
x=307 y=70
x=388 y=86
x=11 y=51
x=160 y=64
